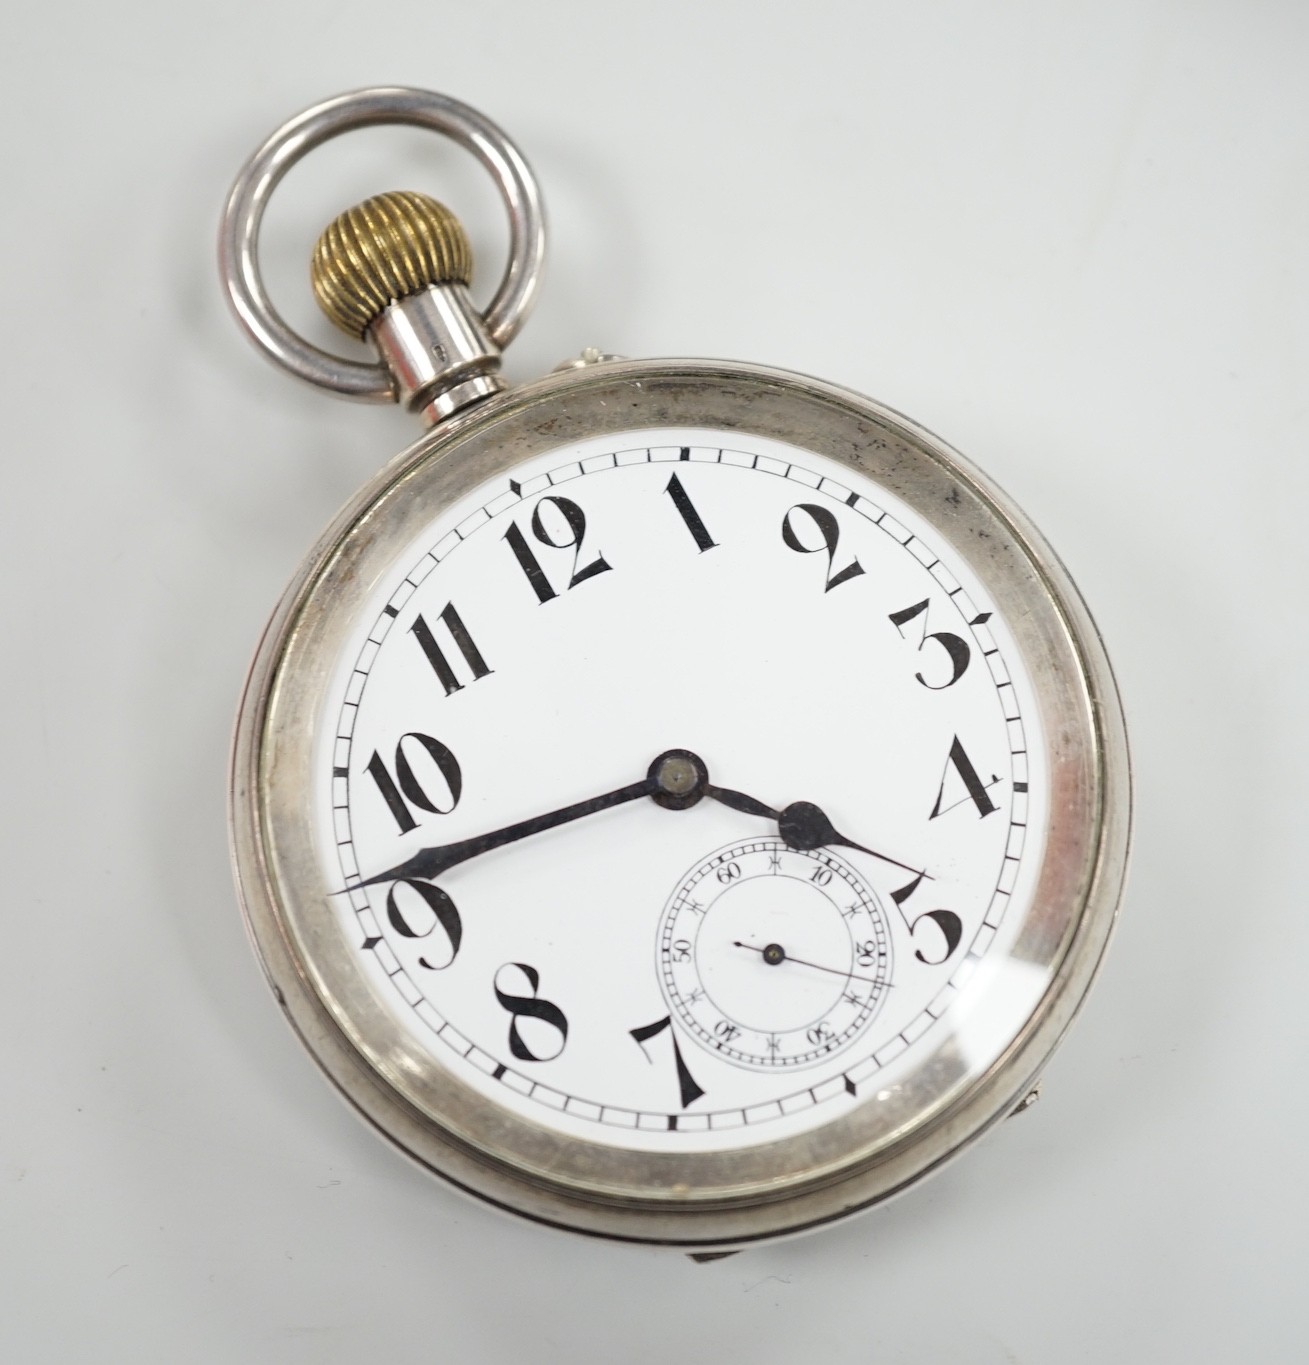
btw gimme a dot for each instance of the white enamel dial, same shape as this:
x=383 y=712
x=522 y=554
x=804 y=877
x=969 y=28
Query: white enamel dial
x=816 y=645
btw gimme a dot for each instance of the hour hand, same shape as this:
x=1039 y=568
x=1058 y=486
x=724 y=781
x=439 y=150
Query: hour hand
x=802 y=825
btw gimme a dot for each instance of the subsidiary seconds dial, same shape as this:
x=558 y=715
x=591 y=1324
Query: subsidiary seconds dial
x=772 y=956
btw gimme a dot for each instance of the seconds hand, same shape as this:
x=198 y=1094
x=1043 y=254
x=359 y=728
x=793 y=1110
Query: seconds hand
x=774 y=954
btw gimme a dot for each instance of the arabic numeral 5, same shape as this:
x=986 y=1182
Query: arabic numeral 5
x=950 y=930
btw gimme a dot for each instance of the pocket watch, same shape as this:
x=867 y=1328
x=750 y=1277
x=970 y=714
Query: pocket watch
x=679 y=801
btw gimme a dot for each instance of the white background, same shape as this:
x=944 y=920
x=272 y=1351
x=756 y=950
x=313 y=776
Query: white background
x=1070 y=238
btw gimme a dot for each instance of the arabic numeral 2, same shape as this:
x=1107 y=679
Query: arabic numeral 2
x=824 y=521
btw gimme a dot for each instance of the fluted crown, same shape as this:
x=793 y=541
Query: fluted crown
x=383 y=250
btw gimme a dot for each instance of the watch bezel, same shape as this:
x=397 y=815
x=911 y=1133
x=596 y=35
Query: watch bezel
x=700 y=1200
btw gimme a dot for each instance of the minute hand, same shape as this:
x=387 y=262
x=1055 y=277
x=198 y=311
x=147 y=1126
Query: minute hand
x=431 y=862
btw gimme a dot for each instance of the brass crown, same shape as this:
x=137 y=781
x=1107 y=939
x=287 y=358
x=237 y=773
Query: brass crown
x=383 y=250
